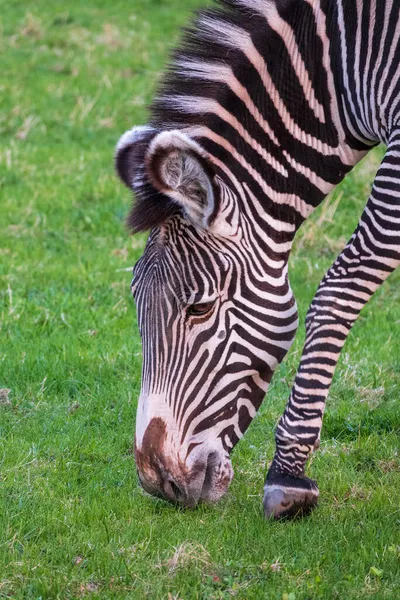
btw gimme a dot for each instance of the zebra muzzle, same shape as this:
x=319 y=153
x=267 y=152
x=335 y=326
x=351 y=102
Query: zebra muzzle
x=206 y=481
x=166 y=469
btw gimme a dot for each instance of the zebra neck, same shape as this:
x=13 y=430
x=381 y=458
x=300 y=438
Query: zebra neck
x=254 y=84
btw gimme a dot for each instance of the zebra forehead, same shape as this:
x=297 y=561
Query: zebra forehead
x=180 y=243
x=177 y=276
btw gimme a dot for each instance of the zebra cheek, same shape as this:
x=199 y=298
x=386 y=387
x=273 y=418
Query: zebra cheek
x=222 y=335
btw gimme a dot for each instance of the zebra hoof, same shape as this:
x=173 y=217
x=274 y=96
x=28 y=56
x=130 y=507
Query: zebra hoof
x=289 y=497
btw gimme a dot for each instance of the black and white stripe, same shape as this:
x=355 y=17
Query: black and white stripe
x=265 y=108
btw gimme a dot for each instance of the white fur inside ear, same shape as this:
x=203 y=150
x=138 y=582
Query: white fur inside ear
x=132 y=136
x=181 y=174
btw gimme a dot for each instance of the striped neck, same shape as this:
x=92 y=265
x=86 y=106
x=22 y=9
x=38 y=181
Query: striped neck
x=257 y=92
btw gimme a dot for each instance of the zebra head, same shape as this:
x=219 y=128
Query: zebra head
x=215 y=311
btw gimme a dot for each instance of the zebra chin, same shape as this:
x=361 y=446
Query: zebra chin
x=164 y=473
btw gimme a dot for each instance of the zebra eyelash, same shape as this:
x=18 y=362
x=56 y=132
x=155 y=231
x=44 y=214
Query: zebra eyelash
x=201 y=309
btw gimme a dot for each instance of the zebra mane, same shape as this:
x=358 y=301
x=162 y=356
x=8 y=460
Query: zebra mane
x=151 y=207
x=192 y=85
x=203 y=44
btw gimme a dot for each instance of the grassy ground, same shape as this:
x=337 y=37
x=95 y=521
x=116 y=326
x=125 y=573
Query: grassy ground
x=73 y=521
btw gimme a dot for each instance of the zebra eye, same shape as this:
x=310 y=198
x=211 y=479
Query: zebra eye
x=198 y=310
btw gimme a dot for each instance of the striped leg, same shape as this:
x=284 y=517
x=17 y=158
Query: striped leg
x=371 y=255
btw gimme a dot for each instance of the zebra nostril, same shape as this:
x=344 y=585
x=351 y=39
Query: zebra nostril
x=210 y=468
x=173 y=491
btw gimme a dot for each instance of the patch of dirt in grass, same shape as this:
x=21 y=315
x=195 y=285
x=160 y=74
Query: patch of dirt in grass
x=348 y=499
x=4 y=397
x=112 y=37
x=371 y=587
x=187 y=554
x=372 y=397
x=79 y=37
x=29 y=123
x=5 y=588
x=32 y=27
x=389 y=466
x=357 y=493
x=88 y=588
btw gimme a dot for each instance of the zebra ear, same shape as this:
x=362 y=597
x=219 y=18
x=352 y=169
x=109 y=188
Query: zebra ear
x=178 y=167
x=151 y=208
x=129 y=153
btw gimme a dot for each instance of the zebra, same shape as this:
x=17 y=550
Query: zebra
x=265 y=107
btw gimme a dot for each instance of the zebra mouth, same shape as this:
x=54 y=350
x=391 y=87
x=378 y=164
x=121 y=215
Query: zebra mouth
x=217 y=479
x=209 y=486
x=161 y=473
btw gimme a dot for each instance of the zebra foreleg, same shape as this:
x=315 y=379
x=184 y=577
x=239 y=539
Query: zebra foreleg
x=371 y=255
x=288 y=492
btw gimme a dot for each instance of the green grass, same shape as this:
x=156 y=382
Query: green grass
x=73 y=521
